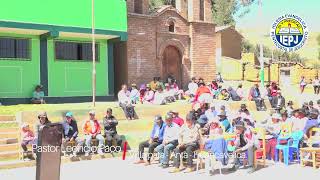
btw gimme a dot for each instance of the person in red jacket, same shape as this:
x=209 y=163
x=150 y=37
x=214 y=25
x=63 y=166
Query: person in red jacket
x=176 y=119
x=203 y=93
x=92 y=130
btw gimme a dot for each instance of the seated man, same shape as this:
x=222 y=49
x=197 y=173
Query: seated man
x=170 y=141
x=110 y=129
x=255 y=95
x=278 y=102
x=134 y=94
x=233 y=94
x=92 y=130
x=125 y=102
x=38 y=96
x=70 y=133
x=188 y=142
x=155 y=140
x=244 y=143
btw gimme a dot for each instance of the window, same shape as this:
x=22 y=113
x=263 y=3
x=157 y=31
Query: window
x=201 y=15
x=171 y=27
x=138 y=6
x=12 y=48
x=75 y=51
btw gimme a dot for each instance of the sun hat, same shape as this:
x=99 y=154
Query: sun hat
x=157 y=118
x=42 y=114
x=202 y=119
x=69 y=114
x=276 y=116
x=222 y=113
x=92 y=112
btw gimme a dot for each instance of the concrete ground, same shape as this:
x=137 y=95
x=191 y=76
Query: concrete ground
x=117 y=168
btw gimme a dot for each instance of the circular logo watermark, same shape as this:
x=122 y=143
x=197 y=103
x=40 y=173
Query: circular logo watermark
x=289 y=32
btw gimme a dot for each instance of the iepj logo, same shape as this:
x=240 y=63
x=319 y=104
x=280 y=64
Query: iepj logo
x=289 y=32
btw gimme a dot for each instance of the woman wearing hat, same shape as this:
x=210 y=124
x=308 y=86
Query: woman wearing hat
x=27 y=138
x=272 y=130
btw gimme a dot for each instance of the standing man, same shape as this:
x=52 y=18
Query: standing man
x=110 y=129
x=316 y=85
x=170 y=141
x=188 y=142
x=125 y=102
x=155 y=140
x=70 y=133
x=92 y=130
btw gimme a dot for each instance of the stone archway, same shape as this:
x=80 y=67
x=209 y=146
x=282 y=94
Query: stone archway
x=172 y=64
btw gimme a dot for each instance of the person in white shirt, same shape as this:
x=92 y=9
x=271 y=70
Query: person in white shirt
x=159 y=97
x=125 y=102
x=211 y=113
x=316 y=85
x=192 y=87
x=240 y=91
x=134 y=94
x=170 y=141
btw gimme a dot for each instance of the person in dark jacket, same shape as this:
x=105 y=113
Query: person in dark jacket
x=255 y=95
x=233 y=94
x=70 y=133
x=110 y=128
x=278 y=102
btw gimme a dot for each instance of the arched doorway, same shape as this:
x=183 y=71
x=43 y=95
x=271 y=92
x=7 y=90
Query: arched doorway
x=171 y=64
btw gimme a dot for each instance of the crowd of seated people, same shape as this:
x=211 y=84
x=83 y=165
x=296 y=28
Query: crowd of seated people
x=205 y=127
x=92 y=130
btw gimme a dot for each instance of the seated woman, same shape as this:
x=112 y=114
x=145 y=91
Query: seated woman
x=203 y=94
x=169 y=93
x=38 y=95
x=224 y=95
x=159 y=97
x=216 y=144
x=178 y=93
x=134 y=94
x=28 y=137
x=149 y=95
x=142 y=92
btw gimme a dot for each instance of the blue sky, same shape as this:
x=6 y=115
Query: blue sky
x=309 y=10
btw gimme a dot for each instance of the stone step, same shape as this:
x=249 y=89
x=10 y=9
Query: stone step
x=9 y=155
x=7 y=118
x=4 y=135
x=8 y=141
x=9 y=147
x=9 y=129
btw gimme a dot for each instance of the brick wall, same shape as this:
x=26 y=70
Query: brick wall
x=203 y=50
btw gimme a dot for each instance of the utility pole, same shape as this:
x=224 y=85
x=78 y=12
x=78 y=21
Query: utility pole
x=93 y=57
x=261 y=49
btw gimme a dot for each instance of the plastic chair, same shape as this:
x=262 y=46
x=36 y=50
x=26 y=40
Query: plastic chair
x=292 y=145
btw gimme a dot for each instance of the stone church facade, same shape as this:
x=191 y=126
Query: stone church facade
x=175 y=40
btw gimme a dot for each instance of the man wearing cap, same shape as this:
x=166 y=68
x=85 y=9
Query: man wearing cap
x=170 y=141
x=244 y=142
x=155 y=140
x=110 y=129
x=125 y=102
x=70 y=133
x=148 y=95
x=176 y=118
x=134 y=94
x=43 y=120
x=92 y=130
x=188 y=142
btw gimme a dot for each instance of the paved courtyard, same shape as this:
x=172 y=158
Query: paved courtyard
x=118 y=169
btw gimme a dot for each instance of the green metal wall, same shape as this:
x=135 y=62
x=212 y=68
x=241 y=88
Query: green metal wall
x=19 y=77
x=109 y=14
x=74 y=78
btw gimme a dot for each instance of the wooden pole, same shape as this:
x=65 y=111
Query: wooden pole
x=93 y=57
